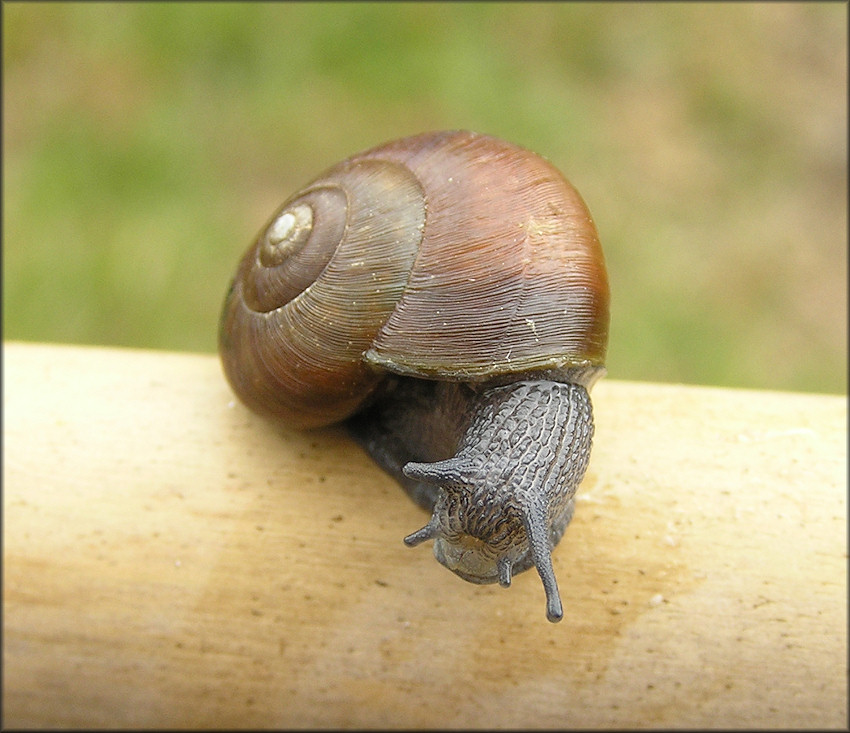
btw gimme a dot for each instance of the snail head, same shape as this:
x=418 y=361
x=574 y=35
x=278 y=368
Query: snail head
x=482 y=541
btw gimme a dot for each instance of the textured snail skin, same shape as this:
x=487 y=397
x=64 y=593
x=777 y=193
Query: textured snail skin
x=498 y=469
x=446 y=296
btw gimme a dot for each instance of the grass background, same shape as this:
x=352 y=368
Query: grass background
x=145 y=144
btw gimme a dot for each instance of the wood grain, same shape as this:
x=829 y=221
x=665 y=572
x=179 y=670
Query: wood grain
x=170 y=560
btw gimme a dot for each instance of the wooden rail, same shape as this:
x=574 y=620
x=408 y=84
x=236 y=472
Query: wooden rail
x=171 y=560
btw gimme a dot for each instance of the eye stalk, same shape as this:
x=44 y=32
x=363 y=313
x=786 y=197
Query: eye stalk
x=541 y=554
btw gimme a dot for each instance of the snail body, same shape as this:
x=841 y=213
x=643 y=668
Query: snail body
x=446 y=296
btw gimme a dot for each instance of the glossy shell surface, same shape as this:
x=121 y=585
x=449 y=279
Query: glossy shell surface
x=450 y=255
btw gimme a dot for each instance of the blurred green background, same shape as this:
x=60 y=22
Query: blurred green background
x=145 y=144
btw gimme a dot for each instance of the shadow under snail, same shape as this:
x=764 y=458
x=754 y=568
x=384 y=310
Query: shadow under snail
x=445 y=295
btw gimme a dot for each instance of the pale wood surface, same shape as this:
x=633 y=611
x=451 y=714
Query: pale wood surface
x=170 y=560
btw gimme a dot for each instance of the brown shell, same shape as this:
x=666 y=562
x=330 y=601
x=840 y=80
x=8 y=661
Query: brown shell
x=448 y=255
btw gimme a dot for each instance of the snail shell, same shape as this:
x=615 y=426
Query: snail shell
x=409 y=290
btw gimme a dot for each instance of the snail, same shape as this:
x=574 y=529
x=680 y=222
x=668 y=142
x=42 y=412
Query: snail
x=446 y=296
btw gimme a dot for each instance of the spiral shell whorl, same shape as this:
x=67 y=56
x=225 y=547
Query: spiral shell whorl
x=305 y=306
